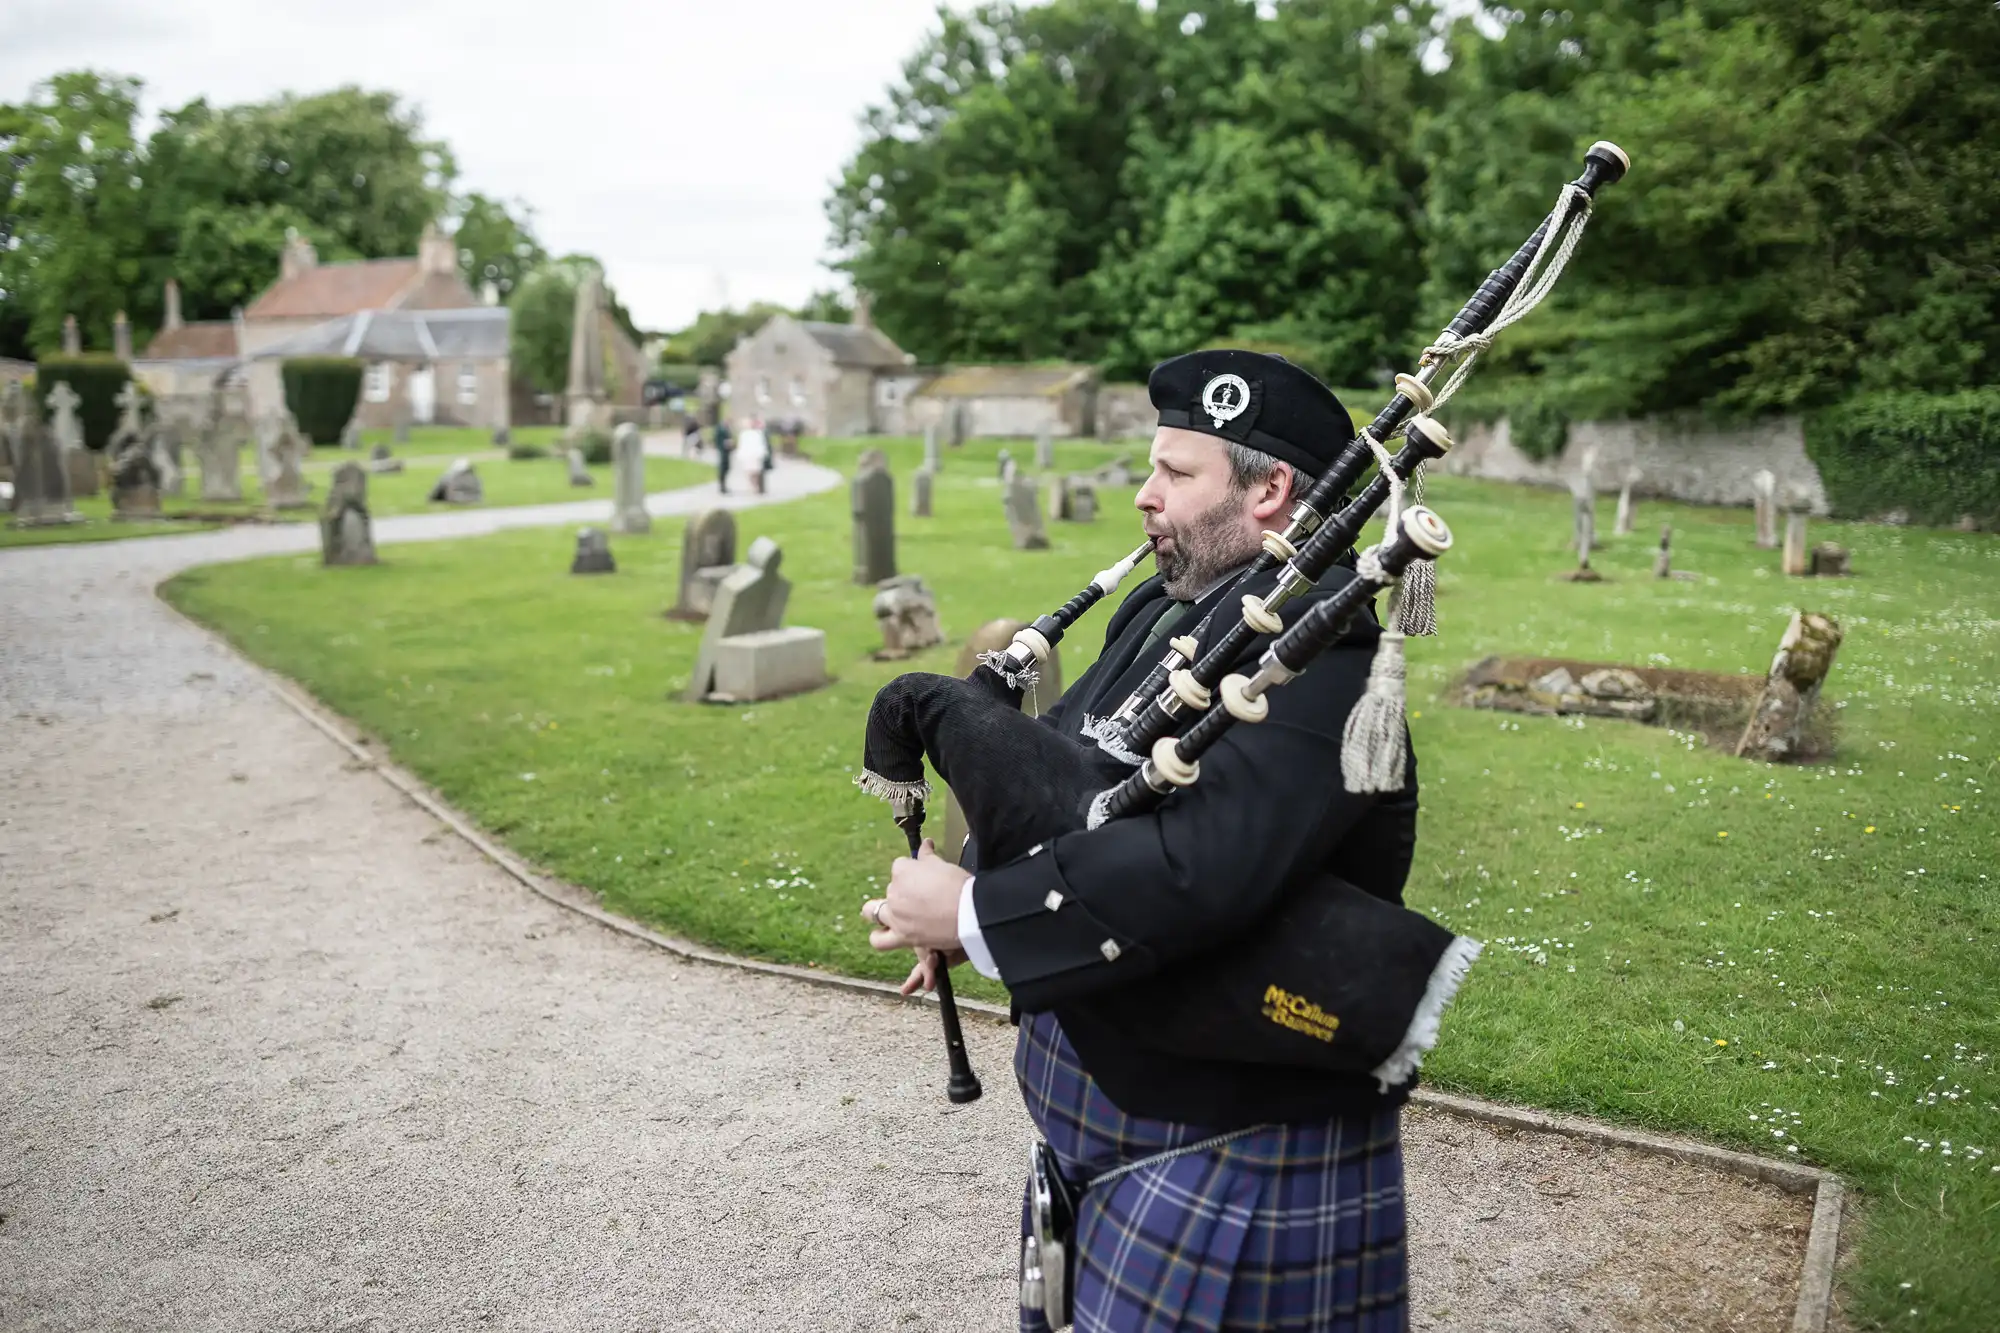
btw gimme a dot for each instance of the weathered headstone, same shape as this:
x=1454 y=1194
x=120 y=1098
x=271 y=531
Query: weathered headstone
x=41 y=481
x=1006 y=462
x=1118 y=472
x=708 y=555
x=135 y=483
x=401 y=435
x=1830 y=560
x=593 y=553
x=166 y=448
x=988 y=638
x=628 y=464
x=72 y=336
x=131 y=424
x=502 y=436
x=219 y=452
x=1805 y=656
x=1045 y=450
x=872 y=499
x=285 y=486
x=933 y=455
x=585 y=398
x=1622 y=525
x=920 y=492
x=1075 y=500
x=350 y=434
x=1663 y=562
x=1583 y=496
x=957 y=423
x=1764 y=502
x=346 y=533
x=1024 y=514
x=1795 y=560
x=579 y=475
x=381 y=460
x=907 y=613
x=751 y=600
x=79 y=463
x=458 y=485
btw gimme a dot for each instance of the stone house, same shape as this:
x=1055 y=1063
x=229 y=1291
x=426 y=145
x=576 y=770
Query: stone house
x=401 y=347
x=1008 y=401
x=828 y=376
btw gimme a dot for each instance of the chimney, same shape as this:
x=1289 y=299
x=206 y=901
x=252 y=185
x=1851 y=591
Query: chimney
x=489 y=292
x=299 y=255
x=121 y=336
x=236 y=327
x=864 y=316
x=436 y=252
x=72 y=336
x=173 y=320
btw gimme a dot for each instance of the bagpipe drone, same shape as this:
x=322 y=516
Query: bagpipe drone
x=1379 y=975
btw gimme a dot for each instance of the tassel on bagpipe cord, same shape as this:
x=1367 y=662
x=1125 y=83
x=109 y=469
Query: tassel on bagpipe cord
x=1422 y=535
x=963 y=1084
x=1167 y=707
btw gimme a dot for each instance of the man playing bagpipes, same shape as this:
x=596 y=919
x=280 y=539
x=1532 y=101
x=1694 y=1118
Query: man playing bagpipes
x=1296 y=1220
x=1190 y=879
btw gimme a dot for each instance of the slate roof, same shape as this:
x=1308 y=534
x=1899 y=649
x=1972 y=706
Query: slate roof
x=475 y=334
x=1005 y=381
x=852 y=345
x=204 y=340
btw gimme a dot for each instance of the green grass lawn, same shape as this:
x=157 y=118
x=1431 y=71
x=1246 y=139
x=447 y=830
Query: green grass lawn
x=507 y=481
x=1796 y=961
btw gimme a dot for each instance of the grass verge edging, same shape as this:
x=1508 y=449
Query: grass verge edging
x=1815 y=1300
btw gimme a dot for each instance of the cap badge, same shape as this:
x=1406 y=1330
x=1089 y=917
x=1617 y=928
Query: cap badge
x=1224 y=398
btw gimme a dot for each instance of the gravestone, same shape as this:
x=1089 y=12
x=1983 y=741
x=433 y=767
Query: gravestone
x=989 y=638
x=1794 y=558
x=381 y=461
x=579 y=475
x=1006 y=462
x=1764 y=502
x=957 y=424
x=1024 y=514
x=593 y=553
x=458 y=485
x=1663 y=562
x=1584 y=499
x=628 y=464
x=872 y=499
x=502 y=437
x=1778 y=719
x=1075 y=500
x=1622 y=525
x=135 y=484
x=219 y=452
x=920 y=492
x=907 y=614
x=1830 y=560
x=41 y=481
x=1045 y=450
x=768 y=664
x=78 y=462
x=708 y=555
x=131 y=425
x=72 y=336
x=1118 y=472
x=751 y=600
x=402 y=433
x=346 y=533
x=286 y=486
x=350 y=434
x=933 y=455
x=166 y=447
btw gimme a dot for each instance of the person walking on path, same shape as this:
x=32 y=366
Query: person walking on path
x=690 y=438
x=722 y=452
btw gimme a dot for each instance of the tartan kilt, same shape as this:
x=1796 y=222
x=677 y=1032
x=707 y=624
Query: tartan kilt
x=1295 y=1227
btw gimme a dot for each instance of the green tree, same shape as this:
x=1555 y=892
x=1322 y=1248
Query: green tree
x=714 y=332
x=543 y=307
x=1003 y=285
x=495 y=246
x=827 y=307
x=71 y=219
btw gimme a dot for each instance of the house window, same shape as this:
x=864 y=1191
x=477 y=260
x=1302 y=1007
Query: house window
x=888 y=393
x=376 y=387
x=763 y=391
x=468 y=385
x=798 y=391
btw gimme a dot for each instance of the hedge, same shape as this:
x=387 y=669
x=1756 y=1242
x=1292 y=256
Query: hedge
x=322 y=392
x=1931 y=459
x=98 y=378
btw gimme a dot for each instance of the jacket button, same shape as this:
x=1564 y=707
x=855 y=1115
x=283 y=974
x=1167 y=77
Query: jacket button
x=1054 y=900
x=1110 y=950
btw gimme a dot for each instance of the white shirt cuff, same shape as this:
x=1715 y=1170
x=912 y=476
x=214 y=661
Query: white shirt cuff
x=969 y=937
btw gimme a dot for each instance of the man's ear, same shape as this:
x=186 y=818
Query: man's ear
x=1275 y=494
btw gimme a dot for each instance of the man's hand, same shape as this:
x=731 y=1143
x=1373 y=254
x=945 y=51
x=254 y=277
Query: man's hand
x=921 y=910
x=925 y=974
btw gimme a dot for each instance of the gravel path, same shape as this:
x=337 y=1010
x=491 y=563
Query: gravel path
x=283 y=1053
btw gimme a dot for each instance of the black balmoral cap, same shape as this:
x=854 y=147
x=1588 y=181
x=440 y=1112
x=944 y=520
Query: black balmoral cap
x=1255 y=399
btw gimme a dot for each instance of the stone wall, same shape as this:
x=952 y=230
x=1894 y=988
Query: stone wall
x=1681 y=458
x=1124 y=412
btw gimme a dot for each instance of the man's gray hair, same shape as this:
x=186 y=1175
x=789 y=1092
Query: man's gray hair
x=1249 y=467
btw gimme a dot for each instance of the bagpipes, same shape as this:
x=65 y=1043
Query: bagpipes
x=1336 y=979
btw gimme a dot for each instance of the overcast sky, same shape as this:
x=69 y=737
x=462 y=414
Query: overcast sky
x=688 y=145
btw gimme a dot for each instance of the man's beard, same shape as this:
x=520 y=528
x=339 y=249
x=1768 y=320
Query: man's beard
x=1205 y=548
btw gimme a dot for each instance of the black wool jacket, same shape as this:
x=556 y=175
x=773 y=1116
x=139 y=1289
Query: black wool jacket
x=1144 y=899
